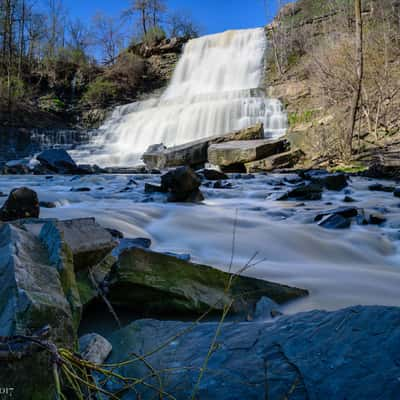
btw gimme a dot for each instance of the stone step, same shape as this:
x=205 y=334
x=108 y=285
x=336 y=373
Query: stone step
x=195 y=153
x=287 y=159
x=242 y=152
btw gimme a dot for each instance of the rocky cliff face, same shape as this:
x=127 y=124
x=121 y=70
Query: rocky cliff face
x=310 y=68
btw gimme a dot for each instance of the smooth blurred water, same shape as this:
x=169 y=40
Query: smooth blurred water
x=217 y=88
x=360 y=265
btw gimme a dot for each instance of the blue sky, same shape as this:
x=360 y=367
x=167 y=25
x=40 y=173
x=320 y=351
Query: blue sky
x=212 y=15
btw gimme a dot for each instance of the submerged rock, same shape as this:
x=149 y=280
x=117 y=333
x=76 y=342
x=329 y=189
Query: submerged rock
x=159 y=282
x=303 y=192
x=335 y=221
x=31 y=297
x=346 y=212
x=377 y=219
x=346 y=354
x=336 y=181
x=47 y=204
x=182 y=185
x=21 y=203
x=378 y=187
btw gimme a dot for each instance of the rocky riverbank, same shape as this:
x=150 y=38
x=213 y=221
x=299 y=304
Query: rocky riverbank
x=148 y=252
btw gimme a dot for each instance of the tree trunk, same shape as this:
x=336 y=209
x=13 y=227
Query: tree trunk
x=359 y=72
x=144 y=21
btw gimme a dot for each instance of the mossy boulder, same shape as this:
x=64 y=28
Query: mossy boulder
x=31 y=297
x=157 y=282
x=61 y=256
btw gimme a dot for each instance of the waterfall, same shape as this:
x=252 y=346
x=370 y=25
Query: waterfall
x=217 y=88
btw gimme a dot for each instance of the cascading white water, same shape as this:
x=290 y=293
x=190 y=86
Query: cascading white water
x=215 y=89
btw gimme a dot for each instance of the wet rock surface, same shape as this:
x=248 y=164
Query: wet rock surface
x=58 y=161
x=31 y=297
x=162 y=282
x=182 y=185
x=347 y=354
x=21 y=203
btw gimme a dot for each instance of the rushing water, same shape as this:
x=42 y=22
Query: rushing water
x=360 y=265
x=216 y=88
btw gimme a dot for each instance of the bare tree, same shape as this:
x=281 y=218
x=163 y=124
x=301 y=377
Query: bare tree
x=181 y=24
x=108 y=36
x=359 y=72
x=148 y=11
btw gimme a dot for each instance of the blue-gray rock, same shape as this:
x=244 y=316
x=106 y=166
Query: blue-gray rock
x=378 y=187
x=94 y=348
x=266 y=309
x=346 y=212
x=335 y=221
x=127 y=243
x=31 y=297
x=57 y=160
x=349 y=354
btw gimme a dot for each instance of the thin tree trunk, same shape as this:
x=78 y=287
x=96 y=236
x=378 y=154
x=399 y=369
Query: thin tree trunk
x=21 y=39
x=144 y=21
x=359 y=72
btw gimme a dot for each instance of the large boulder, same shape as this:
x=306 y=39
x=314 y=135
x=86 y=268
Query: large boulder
x=31 y=297
x=21 y=203
x=242 y=152
x=287 y=159
x=158 y=282
x=182 y=185
x=88 y=241
x=347 y=354
x=58 y=161
x=195 y=153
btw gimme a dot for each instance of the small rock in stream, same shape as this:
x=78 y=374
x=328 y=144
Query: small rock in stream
x=377 y=219
x=47 y=204
x=335 y=221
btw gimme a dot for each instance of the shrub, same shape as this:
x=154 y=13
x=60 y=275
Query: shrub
x=17 y=90
x=100 y=92
x=51 y=103
x=127 y=72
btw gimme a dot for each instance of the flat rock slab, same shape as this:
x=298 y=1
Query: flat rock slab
x=241 y=152
x=348 y=354
x=195 y=153
x=158 y=282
